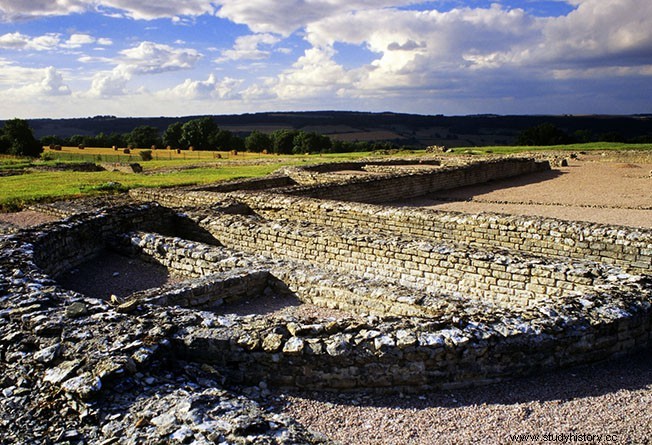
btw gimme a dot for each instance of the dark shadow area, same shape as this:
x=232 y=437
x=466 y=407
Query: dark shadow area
x=630 y=373
x=262 y=305
x=182 y=226
x=110 y=273
x=469 y=192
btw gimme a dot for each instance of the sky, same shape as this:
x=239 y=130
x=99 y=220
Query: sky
x=79 y=58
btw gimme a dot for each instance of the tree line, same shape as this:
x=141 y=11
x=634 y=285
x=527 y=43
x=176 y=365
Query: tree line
x=548 y=134
x=204 y=134
x=16 y=138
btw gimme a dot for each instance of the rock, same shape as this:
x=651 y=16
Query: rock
x=338 y=345
x=294 y=346
x=182 y=435
x=76 y=310
x=47 y=355
x=272 y=342
x=85 y=385
x=62 y=372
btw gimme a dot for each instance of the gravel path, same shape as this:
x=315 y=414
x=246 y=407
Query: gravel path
x=613 y=398
x=590 y=189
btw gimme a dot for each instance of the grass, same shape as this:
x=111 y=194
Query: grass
x=170 y=168
x=19 y=190
x=195 y=168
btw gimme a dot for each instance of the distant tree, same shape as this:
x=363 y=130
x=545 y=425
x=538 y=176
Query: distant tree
x=583 y=136
x=144 y=136
x=52 y=140
x=257 y=142
x=76 y=140
x=172 y=135
x=226 y=140
x=306 y=142
x=116 y=140
x=612 y=136
x=544 y=134
x=17 y=139
x=283 y=141
x=199 y=133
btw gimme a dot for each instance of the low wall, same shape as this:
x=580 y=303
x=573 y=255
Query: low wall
x=62 y=246
x=476 y=344
x=385 y=188
x=264 y=183
x=221 y=276
x=405 y=356
x=497 y=278
x=625 y=247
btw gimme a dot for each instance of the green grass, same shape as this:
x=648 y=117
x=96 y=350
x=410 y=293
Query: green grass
x=20 y=189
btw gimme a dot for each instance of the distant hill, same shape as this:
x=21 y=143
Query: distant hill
x=404 y=129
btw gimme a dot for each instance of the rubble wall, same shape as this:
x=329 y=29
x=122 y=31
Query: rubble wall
x=403 y=356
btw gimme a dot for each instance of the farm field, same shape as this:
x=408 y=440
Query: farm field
x=23 y=181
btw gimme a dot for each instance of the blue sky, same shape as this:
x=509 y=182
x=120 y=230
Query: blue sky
x=70 y=58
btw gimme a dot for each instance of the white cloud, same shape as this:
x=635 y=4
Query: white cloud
x=152 y=58
x=144 y=59
x=212 y=88
x=140 y=10
x=24 y=9
x=314 y=74
x=18 y=41
x=48 y=42
x=50 y=83
x=286 y=17
x=109 y=83
x=248 y=47
x=78 y=40
x=599 y=30
x=136 y=9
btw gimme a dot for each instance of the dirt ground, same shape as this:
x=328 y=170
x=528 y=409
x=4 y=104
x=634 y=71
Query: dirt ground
x=599 y=189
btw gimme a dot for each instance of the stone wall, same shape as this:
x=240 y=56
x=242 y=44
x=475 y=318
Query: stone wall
x=397 y=186
x=498 y=278
x=403 y=356
x=63 y=246
x=264 y=183
x=625 y=247
x=455 y=336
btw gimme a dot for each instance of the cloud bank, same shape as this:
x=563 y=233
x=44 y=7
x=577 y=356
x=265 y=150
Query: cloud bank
x=405 y=55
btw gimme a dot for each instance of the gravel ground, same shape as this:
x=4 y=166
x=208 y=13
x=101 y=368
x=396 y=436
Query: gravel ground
x=611 y=398
x=592 y=189
x=26 y=218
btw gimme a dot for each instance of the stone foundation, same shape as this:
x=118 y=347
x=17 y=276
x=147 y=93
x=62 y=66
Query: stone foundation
x=436 y=300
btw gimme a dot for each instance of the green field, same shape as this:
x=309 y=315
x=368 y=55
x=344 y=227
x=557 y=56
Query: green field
x=23 y=181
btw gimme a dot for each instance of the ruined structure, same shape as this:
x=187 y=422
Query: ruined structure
x=435 y=300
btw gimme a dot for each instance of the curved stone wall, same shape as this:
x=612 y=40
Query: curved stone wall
x=452 y=338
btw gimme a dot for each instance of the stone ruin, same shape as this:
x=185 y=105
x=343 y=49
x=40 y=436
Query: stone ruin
x=432 y=300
